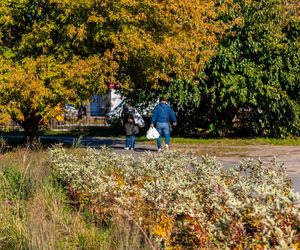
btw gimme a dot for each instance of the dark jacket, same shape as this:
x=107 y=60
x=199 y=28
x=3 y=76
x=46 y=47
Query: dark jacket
x=163 y=113
x=129 y=126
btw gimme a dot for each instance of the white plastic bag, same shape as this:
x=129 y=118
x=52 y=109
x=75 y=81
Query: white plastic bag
x=138 y=120
x=152 y=133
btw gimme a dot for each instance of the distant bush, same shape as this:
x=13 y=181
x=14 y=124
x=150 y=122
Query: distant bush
x=180 y=202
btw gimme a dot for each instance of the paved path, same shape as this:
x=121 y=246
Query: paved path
x=289 y=155
x=228 y=155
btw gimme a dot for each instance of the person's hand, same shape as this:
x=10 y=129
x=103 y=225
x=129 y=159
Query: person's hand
x=174 y=123
x=151 y=125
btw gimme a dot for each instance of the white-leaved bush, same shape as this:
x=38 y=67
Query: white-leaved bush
x=186 y=202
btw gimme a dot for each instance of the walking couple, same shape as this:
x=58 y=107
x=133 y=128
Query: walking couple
x=162 y=117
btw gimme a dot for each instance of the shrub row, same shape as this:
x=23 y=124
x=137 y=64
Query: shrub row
x=179 y=201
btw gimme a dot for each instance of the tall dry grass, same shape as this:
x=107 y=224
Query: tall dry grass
x=35 y=212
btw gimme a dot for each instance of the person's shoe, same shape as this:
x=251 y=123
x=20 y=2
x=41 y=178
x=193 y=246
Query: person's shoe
x=126 y=148
x=132 y=149
x=167 y=147
x=159 y=150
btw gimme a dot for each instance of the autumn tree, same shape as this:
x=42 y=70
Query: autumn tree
x=58 y=51
x=253 y=81
x=42 y=64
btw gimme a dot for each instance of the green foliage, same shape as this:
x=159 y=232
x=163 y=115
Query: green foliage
x=184 y=96
x=179 y=201
x=253 y=81
x=17 y=184
x=15 y=188
x=187 y=98
x=239 y=141
x=77 y=142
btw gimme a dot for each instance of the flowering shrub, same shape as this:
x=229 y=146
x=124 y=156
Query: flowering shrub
x=183 y=202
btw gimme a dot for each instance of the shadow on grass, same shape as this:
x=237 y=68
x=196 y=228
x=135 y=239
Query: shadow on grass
x=13 y=142
x=109 y=138
x=99 y=131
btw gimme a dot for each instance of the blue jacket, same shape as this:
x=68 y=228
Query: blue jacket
x=163 y=113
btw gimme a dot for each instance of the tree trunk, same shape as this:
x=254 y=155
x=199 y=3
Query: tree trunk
x=31 y=127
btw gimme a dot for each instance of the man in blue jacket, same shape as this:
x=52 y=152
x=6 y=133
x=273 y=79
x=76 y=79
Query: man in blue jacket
x=161 y=118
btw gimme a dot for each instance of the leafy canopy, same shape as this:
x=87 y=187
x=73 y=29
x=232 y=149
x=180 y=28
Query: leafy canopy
x=57 y=51
x=257 y=70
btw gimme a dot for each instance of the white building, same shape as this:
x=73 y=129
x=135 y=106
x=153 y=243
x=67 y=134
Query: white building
x=101 y=105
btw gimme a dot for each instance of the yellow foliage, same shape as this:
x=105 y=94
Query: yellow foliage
x=5 y=120
x=58 y=113
x=83 y=198
x=119 y=179
x=295 y=246
x=38 y=88
x=163 y=226
x=174 y=248
x=68 y=50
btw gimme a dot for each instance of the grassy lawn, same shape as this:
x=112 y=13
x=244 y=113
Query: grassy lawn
x=239 y=141
x=101 y=131
x=240 y=147
x=232 y=142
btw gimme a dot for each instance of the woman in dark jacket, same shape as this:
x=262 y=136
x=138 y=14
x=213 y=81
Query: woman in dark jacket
x=131 y=129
